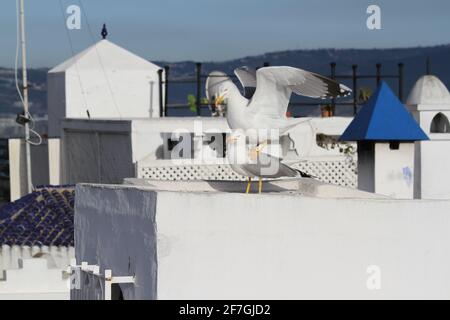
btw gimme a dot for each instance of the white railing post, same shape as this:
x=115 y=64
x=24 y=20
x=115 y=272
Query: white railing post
x=79 y=291
x=108 y=284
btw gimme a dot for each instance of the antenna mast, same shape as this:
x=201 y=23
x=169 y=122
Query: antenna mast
x=25 y=97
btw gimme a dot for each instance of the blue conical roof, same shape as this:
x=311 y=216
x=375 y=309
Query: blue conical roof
x=383 y=118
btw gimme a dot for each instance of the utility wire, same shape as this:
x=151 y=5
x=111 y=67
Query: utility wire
x=28 y=115
x=73 y=55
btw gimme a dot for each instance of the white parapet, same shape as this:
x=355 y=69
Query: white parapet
x=299 y=239
x=36 y=280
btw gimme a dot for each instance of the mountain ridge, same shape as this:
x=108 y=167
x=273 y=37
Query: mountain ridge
x=316 y=60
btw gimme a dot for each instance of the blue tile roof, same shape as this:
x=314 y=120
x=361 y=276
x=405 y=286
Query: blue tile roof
x=43 y=217
x=383 y=118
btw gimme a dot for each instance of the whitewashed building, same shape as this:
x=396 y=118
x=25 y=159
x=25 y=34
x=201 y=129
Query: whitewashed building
x=385 y=132
x=37 y=245
x=429 y=102
x=35 y=273
x=142 y=232
x=104 y=126
x=299 y=239
x=103 y=81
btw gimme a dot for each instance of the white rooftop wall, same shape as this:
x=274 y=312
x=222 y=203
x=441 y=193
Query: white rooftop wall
x=34 y=280
x=106 y=80
x=34 y=272
x=394 y=170
x=222 y=245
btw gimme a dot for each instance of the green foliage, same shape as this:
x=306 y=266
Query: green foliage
x=364 y=94
x=192 y=102
x=332 y=142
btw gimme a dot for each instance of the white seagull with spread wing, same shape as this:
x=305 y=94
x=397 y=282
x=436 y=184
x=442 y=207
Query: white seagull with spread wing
x=266 y=108
x=263 y=108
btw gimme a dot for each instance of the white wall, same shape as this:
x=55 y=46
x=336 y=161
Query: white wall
x=34 y=280
x=57 y=257
x=432 y=157
x=109 y=223
x=115 y=94
x=17 y=167
x=394 y=170
x=34 y=272
x=435 y=171
x=217 y=245
x=54 y=161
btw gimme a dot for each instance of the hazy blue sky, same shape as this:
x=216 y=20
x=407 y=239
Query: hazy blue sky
x=209 y=30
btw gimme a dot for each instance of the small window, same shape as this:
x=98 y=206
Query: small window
x=440 y=124
x=394 y=145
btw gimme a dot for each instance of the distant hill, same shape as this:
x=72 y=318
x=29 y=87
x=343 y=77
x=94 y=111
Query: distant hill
x=9 y=99
x=317 y=60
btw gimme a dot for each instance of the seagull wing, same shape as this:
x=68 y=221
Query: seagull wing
x=276 y=84
x=247 y=77
x=269 y=166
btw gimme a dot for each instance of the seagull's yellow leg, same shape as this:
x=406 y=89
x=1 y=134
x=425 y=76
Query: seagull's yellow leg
x=260 y=185
x=249 y=184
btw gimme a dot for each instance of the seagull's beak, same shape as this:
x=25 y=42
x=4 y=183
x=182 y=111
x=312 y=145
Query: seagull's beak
x=219 y=100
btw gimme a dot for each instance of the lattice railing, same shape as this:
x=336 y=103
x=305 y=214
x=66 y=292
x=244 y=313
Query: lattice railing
x=339 y=171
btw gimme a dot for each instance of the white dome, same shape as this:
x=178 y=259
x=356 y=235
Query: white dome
x=429 y=90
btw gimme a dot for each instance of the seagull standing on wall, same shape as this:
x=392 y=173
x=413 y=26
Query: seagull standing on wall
x=248 y=163
x=263 y=108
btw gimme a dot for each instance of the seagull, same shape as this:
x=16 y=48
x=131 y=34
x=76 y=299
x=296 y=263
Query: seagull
x=246 y=162
x=267 y=92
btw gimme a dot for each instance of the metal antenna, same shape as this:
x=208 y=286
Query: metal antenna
x=25 y=98
x=104 y=31
x=428 y=66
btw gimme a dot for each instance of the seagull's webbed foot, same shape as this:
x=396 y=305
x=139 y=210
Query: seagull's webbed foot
x=249 y=184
